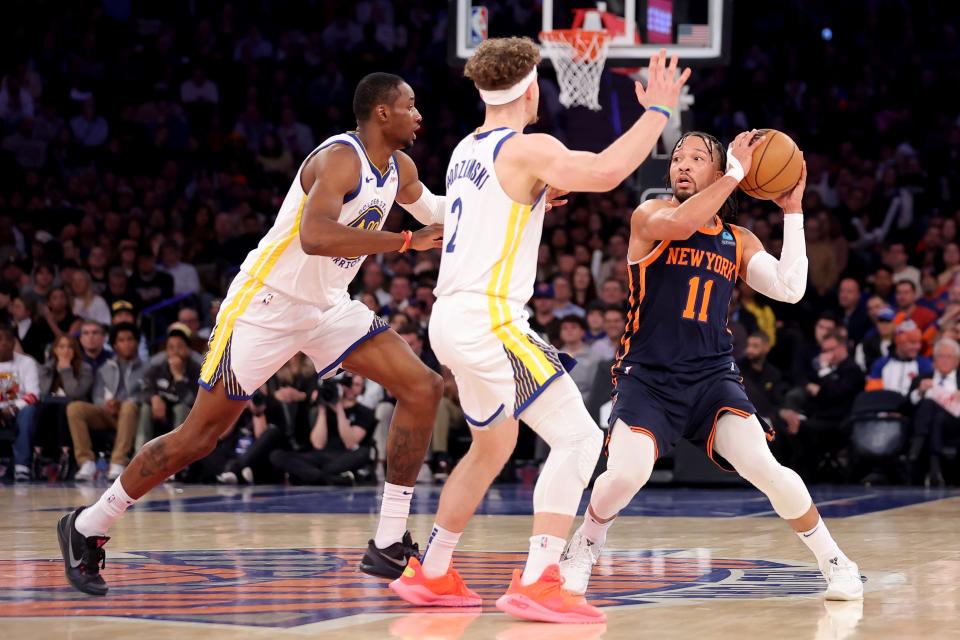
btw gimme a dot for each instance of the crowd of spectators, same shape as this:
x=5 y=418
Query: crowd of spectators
x=146 y=147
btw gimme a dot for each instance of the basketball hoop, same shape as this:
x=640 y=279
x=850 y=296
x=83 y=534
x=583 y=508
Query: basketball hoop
x=578 y=56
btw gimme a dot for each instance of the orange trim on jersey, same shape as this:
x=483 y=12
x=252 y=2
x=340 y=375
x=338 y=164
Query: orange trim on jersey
x=715 y=230
x=713 y=431
x=736 y=236
x=650 y=259
x=874 y=384
x=647 y=432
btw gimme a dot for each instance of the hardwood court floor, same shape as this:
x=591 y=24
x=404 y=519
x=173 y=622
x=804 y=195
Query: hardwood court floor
x=272 y=562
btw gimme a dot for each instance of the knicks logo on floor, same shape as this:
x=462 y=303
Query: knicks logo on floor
x=293 y=587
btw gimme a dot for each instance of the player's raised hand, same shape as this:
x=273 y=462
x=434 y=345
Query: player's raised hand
x=555 y=197
x=663 y=83
x=741 y=150
x=430 y=237
x=792 y=201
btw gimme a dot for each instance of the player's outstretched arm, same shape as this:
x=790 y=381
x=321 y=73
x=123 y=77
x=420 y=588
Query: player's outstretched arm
x=784 y=279
x=552 y=162
x=333 y=174
x=659 y=220
x=413 y=195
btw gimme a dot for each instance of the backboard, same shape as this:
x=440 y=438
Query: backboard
x=696 y=30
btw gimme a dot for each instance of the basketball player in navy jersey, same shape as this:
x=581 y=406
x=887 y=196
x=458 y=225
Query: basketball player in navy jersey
x=674 y=374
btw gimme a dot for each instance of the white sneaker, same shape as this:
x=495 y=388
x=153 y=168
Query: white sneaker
x=576 y=563
x=247 y=474
x=227 y=477
x=843 y=580
x=87 y=471
x=115 y=471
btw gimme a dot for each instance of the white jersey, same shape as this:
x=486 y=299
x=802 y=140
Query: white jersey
x=490 y=242
x=279 y=260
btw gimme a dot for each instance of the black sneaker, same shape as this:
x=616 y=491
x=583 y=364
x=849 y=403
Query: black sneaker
x=82 y=557
x=389 y=563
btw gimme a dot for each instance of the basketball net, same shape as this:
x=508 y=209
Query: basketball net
x=578 y=57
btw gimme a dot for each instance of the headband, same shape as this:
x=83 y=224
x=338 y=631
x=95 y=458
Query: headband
x=503 y=96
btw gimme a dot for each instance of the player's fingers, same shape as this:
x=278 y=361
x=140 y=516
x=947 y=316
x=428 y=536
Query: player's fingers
x=672 y=69
x=684 y=76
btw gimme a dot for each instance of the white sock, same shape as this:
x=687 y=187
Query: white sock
x=96 y=519
x=439 y=552
x=594 y=530
x=822 y=544
x=545 y=550
x=393 y=514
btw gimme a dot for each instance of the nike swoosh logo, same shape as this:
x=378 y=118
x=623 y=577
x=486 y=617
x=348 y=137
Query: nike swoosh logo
x=807 y=535
x=399 y=563
x=407 y=493
x=73 y=559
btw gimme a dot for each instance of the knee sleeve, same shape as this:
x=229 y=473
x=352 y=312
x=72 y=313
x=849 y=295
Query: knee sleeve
x=743 y=443
x=629 y=465
x=560 y=418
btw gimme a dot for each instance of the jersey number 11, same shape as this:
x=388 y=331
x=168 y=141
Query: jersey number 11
x=688 y=313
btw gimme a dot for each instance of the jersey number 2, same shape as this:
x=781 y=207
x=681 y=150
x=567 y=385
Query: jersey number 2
x=688 y=313
x=457 y=208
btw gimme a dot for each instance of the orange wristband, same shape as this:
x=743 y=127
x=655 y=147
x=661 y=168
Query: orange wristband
x=407 y=239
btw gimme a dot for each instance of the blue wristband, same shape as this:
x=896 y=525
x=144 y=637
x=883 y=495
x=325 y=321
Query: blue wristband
x=664 y=110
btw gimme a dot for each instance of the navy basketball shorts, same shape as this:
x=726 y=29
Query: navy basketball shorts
x=668 y=406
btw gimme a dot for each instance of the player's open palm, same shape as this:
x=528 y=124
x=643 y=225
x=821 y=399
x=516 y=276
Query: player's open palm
x=430 y=237
x=663 y=83
x=741 y=149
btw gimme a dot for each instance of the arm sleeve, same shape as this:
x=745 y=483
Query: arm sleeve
x=784 y=279
x=429 y=209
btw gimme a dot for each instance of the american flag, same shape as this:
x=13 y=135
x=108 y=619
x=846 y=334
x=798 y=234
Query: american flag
x=693 y=35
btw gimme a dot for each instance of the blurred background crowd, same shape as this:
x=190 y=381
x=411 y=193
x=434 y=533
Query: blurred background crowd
x=145 y=148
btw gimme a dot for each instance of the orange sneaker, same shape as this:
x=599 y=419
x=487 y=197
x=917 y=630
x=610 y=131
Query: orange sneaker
x=448 y=590
x=546 y=601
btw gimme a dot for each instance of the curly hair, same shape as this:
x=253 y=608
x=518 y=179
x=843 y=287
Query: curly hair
x=499 y=63
x=728 y=211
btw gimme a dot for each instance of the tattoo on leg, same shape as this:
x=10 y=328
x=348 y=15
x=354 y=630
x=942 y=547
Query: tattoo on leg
x=406 y=447
x=155 y=459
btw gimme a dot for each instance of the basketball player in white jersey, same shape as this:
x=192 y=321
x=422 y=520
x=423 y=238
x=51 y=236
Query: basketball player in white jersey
x=496 y=193
x=291 y=295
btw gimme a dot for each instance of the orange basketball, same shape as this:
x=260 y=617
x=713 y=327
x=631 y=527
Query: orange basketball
x=776 y=166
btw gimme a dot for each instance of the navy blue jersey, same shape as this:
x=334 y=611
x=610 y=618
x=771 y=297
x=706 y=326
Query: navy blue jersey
x=679 y=302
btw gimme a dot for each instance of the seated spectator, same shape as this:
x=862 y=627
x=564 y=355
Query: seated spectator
x=92 y=339
x=87 y=305
x=815 y=413
x=34 y=335
x=58 y=315
x=118 y=289
x=614 y=321
x=400 y=294
x=761 y=379
x=572 y=330
x=150 y=284
x=897 y=371
x=293 y=395
x=19 y=393
x=851 y=310
x=168 y=388
x=97 y=268
x=595 y=330
x=879 y=339
x=255 y=440
x=882 y=284
x=64 y=378
x=908 y=309
x=341 y=438
x=544 y=321
x=563 y=299
x=937 y=401
x=185 y=276
x=41 y=285
x=895 y=257
x=766 y=320
x=613 y=293
x=807 y=356
x=115 y=405
x=584 y=288
x=371 y=279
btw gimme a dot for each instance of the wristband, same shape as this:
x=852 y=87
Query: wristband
x=734 y=168
x=667 y=111
x=407 y=239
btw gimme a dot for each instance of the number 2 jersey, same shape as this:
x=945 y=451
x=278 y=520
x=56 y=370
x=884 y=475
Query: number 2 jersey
x=679 y=302
x=490 y=242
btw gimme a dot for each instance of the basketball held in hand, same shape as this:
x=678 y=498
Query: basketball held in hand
x=776 y=166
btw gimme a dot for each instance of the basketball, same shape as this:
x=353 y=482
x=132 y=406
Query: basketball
x=776 y=166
